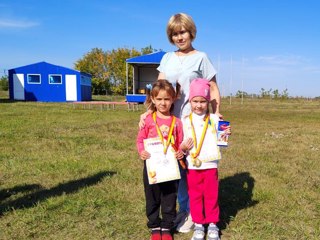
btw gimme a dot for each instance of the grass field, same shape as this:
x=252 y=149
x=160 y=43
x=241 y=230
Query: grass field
x=70 y=173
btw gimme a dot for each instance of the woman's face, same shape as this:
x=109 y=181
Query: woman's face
x=182 y=39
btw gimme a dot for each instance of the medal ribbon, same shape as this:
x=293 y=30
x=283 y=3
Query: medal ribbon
x=198 y=147
x=170 y=137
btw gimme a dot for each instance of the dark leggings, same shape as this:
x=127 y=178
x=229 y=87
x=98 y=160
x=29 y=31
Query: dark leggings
x=161 y=195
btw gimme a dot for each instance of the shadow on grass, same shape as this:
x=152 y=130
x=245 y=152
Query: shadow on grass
x=41 y=194
x=2 y=100
x=235 y=193
x=6 y=193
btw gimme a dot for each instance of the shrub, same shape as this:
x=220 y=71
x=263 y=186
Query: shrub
x=4 y=83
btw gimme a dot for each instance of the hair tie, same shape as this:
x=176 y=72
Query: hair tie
x=149 y=86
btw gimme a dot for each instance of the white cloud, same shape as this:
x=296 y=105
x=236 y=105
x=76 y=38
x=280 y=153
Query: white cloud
x=5 y=23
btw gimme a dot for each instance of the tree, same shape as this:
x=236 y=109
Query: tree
x=276 y=93
x=239 y=94
x=4 y=83
x=108 y=68
x=263 y=92
x=285 y=94
x=116 y=60
x=266 y=93
x=147 y=50
x=95 y=63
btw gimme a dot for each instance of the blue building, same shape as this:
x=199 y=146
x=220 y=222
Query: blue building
x=144 y=72
x=46 y=82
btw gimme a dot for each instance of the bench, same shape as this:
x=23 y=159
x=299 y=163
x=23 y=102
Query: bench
x=110 y=105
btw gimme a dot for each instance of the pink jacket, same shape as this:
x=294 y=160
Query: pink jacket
x=150 y=131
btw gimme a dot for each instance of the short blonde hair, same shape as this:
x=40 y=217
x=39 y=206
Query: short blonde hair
x=179 y=20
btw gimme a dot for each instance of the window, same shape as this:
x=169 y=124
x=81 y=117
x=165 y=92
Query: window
x=55 y=79
x=34 y=78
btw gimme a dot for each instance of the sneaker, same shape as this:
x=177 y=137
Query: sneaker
x=166 y=235
x=180 y=216
x=186 y=225
x=155 y=235
x=198 y=233
x=213 y=232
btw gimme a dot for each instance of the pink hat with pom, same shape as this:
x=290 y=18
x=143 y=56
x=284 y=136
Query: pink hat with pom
x=200 y=87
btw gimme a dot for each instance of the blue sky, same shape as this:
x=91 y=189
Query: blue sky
x=253 y=44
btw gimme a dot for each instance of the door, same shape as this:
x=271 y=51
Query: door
x=18 y=87
x=71 y=87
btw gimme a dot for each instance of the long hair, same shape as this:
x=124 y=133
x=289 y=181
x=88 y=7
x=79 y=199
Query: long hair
x=157 y=86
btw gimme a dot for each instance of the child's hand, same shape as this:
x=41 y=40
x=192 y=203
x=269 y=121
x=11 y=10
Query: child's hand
x=228 y=130
x=179 y=155
x=187 y=144
x=144 y=155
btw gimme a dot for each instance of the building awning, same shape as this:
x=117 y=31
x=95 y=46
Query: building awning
x=152 y=58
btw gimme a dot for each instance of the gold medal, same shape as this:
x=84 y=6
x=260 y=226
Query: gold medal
x=194 y=156
x=196 y=162
x=170 y=136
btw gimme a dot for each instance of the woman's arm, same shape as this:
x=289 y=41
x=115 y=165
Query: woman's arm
x=161 y=76
x=215 y=96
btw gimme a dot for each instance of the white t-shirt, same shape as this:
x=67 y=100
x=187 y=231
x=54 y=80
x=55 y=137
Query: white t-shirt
x=184 y=69
x=210 y=152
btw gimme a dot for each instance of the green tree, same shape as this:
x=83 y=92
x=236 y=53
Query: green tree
x=95 y=63
x=265 y=93
x=4 y=83
x=108 y=68
x=147 y=50
x=285 y=94
x=239 y=94
x=116 y=60
x=276 y=93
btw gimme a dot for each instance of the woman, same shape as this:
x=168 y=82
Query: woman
x=180 y=68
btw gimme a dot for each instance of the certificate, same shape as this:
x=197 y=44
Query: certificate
x=161 y=167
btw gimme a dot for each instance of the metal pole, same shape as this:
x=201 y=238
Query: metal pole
x=230 y=79
x=133 y=80
x=127 y=80
x=242 y=81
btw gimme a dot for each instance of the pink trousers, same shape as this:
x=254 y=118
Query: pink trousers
x=203 y=187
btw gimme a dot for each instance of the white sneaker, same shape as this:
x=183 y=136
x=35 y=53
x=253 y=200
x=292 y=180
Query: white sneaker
x=180 y=216
x=198 y=233
x=213 y=232
x=186 y=225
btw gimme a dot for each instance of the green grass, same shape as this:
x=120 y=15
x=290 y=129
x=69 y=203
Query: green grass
x=4 y=95
x=73 y=173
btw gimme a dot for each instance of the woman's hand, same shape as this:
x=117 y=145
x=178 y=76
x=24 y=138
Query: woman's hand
x=143 y=118
x=219 y=115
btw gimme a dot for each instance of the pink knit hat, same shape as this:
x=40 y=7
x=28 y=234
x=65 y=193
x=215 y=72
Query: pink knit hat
x=199 y=87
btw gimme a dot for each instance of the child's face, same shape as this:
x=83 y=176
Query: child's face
x=199 y=105
x=163 y=102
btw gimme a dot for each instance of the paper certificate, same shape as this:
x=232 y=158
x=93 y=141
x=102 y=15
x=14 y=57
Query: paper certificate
x=160 y=167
